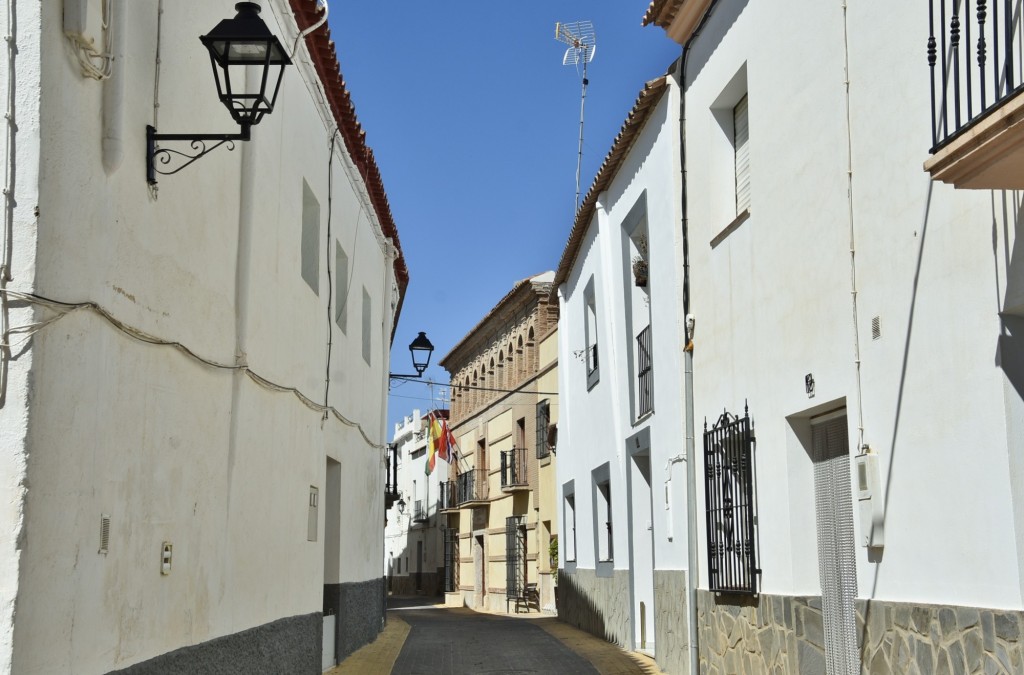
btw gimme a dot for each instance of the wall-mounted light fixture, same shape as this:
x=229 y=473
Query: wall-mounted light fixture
x=401 y=506
x=420 y=349
x=235 y=45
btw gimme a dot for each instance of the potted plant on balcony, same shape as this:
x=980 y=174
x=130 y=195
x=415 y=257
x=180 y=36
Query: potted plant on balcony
x=639 y=271
x=639 y=261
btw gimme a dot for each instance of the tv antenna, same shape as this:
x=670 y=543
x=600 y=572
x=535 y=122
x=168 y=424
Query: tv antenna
x=582 y=47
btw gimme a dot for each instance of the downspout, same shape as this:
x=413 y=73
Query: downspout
x=113 y=92
x=691 y=459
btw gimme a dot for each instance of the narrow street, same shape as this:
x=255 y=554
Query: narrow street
x=426 y=639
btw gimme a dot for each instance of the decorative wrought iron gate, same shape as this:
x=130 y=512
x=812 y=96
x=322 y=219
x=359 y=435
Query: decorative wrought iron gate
x=451 y=560
x=729 y=496
x=515 y=556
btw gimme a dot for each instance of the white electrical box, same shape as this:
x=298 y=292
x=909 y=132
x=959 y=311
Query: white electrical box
x=870 y=501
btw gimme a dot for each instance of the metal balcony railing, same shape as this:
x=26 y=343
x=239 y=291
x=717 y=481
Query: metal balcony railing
x=446 y=496
x=471 y=486
x=975 y=56
x=513 y=468
x=391 y=473
x=643 y=372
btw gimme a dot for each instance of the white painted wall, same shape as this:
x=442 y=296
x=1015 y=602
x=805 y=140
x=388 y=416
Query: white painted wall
x=17 y=247
x=594 y=425
x=174 y=450
x=773 y=300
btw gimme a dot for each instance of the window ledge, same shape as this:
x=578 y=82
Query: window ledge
x=731 y=227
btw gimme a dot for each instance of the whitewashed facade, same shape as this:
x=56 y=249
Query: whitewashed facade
x=180 y=489
x=621 y=482
x=413 y=538
x=869 y=319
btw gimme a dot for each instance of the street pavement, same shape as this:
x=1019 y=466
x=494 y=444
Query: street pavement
x=425 y=639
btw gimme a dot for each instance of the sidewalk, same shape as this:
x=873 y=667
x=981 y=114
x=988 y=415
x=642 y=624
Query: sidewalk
x=380 y=656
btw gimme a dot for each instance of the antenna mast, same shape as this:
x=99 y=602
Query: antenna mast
x=582 y=47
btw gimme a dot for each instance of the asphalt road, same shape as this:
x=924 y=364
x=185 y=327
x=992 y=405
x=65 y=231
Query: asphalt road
x=446 y=642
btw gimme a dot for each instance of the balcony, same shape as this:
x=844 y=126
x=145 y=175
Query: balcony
x=390 y=476
x=644 y=399
x=513 y=470
x=471 y=488
x=976 y=60
x=446 y=496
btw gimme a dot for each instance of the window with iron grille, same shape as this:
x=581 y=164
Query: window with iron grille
x=515 y=556
x=451 y=560
x=729 y=495
x=543 y=420
x=644 y=399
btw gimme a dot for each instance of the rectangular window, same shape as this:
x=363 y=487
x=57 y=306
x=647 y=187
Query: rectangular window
x=741 y=145
x=593 y=374
x=340 y=287
x=367 y=325
x=604 y=521
x=543 y=420
x=569 y=515
x=310 y=238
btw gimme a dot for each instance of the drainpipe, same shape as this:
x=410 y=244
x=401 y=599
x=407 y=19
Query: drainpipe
x=691 y=459
x=113 y=92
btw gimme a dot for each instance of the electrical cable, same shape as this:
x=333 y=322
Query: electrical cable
x=66 y=308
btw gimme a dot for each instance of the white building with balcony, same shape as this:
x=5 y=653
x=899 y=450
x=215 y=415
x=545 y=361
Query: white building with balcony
x=414 y=537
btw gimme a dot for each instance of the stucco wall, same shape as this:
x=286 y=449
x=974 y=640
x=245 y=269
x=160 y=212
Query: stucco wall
x=773 y=299
x=172 y=449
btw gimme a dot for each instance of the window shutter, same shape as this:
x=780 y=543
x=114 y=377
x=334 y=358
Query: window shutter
x=742 y=146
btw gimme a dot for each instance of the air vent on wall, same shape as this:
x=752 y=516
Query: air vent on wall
x=876 y=328
x=104 y=533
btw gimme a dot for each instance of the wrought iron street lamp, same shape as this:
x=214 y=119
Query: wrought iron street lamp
x=420 y=349
x=236 y=46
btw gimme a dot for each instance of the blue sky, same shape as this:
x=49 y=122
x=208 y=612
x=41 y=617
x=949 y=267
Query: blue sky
x=474 y=122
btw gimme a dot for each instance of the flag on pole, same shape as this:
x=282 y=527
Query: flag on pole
x=441 y=442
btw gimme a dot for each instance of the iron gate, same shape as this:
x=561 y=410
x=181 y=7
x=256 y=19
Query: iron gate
x=729 y=497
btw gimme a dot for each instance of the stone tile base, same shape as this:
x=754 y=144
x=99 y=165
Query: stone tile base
x=598 y=605
x=775 y=634
x=671 y=640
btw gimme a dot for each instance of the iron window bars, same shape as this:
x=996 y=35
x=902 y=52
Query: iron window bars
x=964 y=92
x=419 y=511
x=451 y=560
x=513 y=468
x=515 y=557
x=645 y=401
x=729 y=495
x=543 y=420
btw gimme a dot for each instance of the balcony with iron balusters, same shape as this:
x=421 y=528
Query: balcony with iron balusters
x=513 y=470
x=975 y=54
x=471 y=488
x=446 y=497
